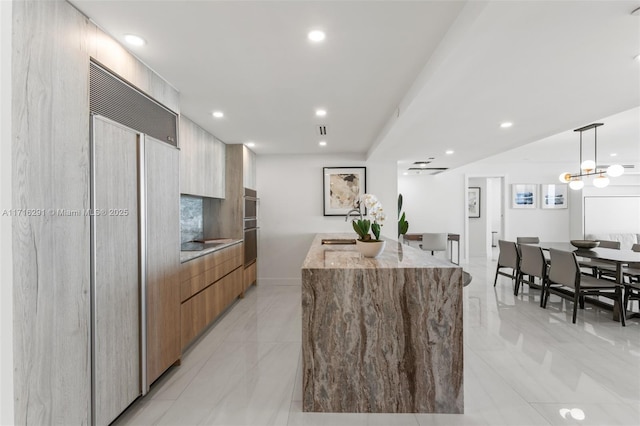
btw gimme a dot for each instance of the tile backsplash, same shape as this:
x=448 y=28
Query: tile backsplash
x=191 y=227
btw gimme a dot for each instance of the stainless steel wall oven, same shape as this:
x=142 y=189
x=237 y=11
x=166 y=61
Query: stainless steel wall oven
x=250 y=226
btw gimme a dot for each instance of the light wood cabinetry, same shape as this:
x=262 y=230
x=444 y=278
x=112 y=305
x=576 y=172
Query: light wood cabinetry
x=52 y=43
x=250 y=275
x=228 y=215
x=162 y=257
x=116 y=271
x=248 y=168
x=208 y=285
x=202 y=161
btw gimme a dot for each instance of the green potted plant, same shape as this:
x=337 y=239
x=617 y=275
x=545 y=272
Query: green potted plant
x=403 y=225
x=367 y=244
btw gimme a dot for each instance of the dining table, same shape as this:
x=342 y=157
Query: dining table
x=619 y=258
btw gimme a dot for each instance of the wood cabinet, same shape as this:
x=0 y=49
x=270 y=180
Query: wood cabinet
x=209 y=284
x=250 y=275
x=162 y=257
x=202 y=161
x=248 y=168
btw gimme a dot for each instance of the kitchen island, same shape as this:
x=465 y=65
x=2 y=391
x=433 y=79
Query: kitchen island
x=381 y=335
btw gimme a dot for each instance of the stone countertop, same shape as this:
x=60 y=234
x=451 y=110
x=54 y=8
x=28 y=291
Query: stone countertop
x=186 y=256
x=345 y=256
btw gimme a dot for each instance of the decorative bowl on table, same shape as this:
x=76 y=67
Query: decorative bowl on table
x=585 y=244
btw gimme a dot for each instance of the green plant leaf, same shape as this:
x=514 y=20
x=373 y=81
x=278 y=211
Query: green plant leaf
x=361 y=226
x=399 y=203
x=375 y=228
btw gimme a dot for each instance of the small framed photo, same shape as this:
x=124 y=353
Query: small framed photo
x=553 y=196
x=342 y=189
x=523 y=196
x=474 y=201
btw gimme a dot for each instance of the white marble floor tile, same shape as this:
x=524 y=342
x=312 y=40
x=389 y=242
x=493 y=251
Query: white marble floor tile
x=144 y=413
x=523 y=364
x=590 y=414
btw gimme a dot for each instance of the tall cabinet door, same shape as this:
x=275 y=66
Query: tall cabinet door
x=162 y=256
x=116 y=271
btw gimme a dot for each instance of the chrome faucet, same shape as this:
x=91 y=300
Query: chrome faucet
x=346 y=219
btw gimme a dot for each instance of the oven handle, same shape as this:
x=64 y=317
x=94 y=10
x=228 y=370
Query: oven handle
x=248 y=198
x=252 y=229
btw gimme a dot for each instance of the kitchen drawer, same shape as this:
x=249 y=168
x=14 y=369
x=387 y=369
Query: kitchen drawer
x=220 y=264
x=192 y=268
x=202 y=309
x=193 y=318
x=250 y=275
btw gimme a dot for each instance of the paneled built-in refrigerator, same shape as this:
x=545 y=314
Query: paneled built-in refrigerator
x=135 y=262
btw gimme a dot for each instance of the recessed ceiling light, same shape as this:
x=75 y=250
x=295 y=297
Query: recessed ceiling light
x=322 y=143
x=613 y=154
x=218 y=114
x=250 y=144
x=506 y=124
x=134 y=40
x=449 y=152
x=316 y=36
x=321 y=112
x=637 y=58
x=405 y=173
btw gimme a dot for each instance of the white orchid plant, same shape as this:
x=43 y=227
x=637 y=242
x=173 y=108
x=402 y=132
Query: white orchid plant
x=376 y=212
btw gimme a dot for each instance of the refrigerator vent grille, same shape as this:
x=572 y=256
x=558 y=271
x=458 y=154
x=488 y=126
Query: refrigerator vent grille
x=113 y=98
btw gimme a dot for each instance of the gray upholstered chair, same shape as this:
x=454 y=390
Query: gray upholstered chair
x=566 y=280
x=509 y=257
x=533 y=265
x=593 y=264
x=609 y=244
x=630 y=273
x=434 y=242
x=527 y=240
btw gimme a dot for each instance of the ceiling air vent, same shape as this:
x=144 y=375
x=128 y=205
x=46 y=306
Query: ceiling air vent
x=321 y=129
x=427 y=170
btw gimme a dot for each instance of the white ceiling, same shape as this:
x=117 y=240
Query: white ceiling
x=400 y=80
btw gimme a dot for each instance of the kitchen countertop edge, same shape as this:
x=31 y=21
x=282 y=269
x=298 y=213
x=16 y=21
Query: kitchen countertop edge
x=186 y=256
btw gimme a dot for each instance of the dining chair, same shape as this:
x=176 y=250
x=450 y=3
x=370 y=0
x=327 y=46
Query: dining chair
x=566 y=280
x=533 y=265
x=631 y=273
x=609 y=244
x=595 y=265
x=509 y=257
x=527 y=240
x=434 y=242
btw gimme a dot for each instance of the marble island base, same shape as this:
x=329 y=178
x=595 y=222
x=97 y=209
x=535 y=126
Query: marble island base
x=381 y=335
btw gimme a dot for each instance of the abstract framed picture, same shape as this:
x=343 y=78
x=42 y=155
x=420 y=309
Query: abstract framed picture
x=342 y=189
x=523 y=196
x=553 y=196
x=474 y=201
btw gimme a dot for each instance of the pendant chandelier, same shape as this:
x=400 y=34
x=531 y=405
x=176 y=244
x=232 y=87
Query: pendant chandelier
x=589 y=166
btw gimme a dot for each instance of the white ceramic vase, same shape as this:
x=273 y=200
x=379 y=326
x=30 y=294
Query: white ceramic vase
x=370 y=248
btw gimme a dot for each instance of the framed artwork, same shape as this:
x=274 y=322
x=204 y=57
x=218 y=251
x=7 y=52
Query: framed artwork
x=474 y=201
x=523 y=196
x=553 y=196
x=342 y=188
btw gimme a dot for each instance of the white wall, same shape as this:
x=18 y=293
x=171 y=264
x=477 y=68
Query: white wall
x=435 y=203
x=479 y=227
x=291 y=209
x=6 y=260
x=494 y=205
